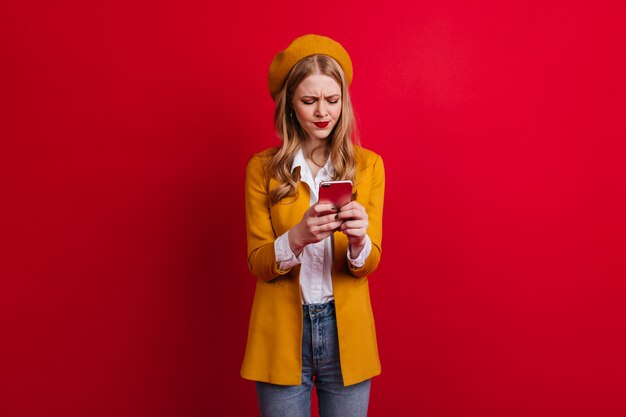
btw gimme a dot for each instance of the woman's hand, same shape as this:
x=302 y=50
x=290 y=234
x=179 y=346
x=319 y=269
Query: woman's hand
x=318 y=222
x=354 y=225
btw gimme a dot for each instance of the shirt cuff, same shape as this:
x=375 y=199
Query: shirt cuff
x=285 y=258
x=359 y=261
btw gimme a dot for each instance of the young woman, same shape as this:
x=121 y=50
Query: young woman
x=312 y=321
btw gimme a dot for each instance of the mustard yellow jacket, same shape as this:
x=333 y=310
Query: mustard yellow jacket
x=274 y=347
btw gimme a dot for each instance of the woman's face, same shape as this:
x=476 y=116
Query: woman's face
x=317 y=105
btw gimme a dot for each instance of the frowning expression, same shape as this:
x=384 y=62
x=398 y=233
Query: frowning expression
x=317 y=105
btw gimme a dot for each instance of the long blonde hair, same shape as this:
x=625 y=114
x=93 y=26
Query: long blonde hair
x=342 y=152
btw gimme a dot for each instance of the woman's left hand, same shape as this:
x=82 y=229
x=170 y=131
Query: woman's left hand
x=354 y=226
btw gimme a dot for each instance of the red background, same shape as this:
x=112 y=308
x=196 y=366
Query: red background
x=125 y=130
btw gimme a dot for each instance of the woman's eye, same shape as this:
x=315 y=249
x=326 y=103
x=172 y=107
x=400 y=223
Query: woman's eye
x=333 y=101
x=308 y=102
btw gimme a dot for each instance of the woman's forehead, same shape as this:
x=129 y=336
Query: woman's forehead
x=318 y=84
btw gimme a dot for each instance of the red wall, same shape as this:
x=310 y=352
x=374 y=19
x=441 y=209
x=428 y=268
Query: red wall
x=125 y=129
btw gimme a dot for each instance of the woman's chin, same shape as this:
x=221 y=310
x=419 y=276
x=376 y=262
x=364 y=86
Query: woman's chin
x=317 y=138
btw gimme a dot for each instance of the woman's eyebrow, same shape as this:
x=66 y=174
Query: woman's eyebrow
x=330 y=96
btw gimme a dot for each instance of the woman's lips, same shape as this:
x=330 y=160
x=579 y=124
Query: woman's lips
x=321 y=124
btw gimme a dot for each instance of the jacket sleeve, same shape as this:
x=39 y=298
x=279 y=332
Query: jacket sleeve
x=374 y=209
x=260 y=232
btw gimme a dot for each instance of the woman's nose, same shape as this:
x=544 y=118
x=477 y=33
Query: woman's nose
x=321 y=109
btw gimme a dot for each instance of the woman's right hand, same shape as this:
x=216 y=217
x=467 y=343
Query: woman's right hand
x=318 y=222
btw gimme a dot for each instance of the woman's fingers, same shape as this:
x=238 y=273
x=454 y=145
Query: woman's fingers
x=353 y=207
x=354 y=213
x=325 y=230
x=360 y=232
x=332 y=226
x=350 y=214
x=323 y=209
x=318 y=221
x=322 y=220
x=353 y=225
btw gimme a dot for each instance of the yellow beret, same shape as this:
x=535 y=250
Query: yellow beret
x=302 y=47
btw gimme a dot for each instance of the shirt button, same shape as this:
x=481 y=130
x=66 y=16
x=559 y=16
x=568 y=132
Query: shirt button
x=316 y=259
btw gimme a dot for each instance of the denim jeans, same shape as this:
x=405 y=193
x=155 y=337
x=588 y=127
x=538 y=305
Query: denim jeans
x=320 y=367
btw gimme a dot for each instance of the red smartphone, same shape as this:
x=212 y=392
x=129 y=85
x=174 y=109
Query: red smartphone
x=337 y=193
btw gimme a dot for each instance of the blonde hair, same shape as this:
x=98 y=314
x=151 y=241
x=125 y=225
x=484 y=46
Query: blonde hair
x=342 y=152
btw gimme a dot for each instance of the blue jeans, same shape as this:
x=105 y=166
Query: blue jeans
x=320 y=367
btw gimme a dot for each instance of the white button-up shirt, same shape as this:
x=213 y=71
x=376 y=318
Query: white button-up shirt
x=316 y=259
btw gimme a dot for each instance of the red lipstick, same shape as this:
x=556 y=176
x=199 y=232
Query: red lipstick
x=321 y=124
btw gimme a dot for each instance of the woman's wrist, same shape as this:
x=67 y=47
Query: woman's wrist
x=294 y=242
x=355 y=249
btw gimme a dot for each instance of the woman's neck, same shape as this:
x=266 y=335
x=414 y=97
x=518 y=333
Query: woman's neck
x=315 y=154
x=315 y=151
